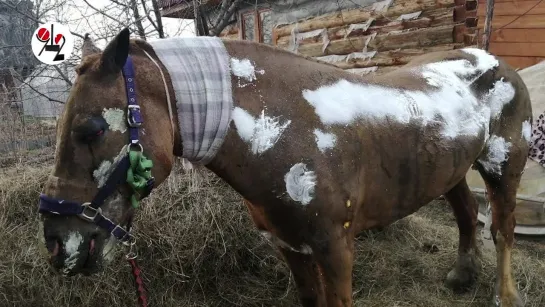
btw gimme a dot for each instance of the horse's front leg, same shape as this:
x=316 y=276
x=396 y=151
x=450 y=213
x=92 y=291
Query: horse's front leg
x=306 y=275
x=301 y=262
x=335 y=258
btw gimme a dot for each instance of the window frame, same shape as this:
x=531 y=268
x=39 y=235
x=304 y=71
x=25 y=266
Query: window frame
x=258 y=26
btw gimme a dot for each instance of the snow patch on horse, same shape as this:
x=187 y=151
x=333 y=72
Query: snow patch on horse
x=116 y=119
x=244 y=69
x=304 y=249
x=300 y=183
x=527 y=130
x=344 y=102
x=262 y=132
x=501 y=94
x=71 y=247
x=485 y=60
x=106 y=167
x=101 y=172
x=449 y=102
x=498 y=151
x=324 y=140
x=109 y=249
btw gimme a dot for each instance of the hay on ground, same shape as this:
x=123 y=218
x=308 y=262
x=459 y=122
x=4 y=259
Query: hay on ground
x=198 y=247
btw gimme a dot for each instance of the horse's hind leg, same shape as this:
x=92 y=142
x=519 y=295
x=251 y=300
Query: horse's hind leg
x=465 y=208
x=502 y=182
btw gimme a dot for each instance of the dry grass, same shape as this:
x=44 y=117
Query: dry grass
x=18 y=135
x=198 y=247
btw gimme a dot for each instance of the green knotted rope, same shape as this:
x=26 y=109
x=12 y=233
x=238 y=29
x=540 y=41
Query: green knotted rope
x=138 y=174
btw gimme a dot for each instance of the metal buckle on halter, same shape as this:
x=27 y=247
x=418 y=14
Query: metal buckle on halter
x=134 y=118
x=131 y=242
x=124 y=238
x=88 y=217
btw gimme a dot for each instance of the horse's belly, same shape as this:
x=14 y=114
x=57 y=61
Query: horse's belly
x=408 y=172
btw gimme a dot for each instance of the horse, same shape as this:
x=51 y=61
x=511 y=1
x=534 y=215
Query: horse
x=318 y=154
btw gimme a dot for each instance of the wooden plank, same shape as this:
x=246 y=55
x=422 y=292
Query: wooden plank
x=518 y=49
x=521 y=61
x=521 y=22
x=498 y=1
x=395 y=40
x=413 y=39
x=515 y=8
x=337 y=19
x=518 y=35
x=389 y=58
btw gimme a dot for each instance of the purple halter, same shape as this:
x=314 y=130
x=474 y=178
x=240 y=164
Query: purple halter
x=91 y=211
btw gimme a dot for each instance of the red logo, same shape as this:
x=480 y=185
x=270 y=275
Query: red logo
x=51 y=43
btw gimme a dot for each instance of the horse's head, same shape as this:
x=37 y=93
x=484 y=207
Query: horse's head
x=98 y=175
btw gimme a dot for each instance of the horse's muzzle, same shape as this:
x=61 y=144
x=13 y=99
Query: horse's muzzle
x=72 y=250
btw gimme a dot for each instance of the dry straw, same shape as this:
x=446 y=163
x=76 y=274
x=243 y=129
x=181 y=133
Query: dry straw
x=198 y=247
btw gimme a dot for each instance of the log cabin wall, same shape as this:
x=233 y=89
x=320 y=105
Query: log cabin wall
x=518 y=31
x=379 y=37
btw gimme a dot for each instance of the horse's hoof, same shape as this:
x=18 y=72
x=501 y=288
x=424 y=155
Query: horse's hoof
x=460 y=280
x=464 y=274
x=512 y=300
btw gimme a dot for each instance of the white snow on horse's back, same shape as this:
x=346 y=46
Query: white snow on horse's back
x=501 y=94
x=324 y=140
x=244 y=122
x=300 y=183
x=262 y=133
x=485 y=60
x=244 y=69
x=449 y=101
x=498 y=152
x=344 y=102
x=527 y=130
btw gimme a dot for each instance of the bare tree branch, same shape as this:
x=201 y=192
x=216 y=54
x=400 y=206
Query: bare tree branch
x=223 y=11
x=27 y=15
x=225 y=19
x=63 y=76
x=104 y=14
x=138 y=22
x=40 y=93
x=14 y=46
x=158 y=17
x=119 y=3
x=147 y=13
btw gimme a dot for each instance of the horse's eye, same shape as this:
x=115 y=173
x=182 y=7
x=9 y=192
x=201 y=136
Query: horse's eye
x=90 y=130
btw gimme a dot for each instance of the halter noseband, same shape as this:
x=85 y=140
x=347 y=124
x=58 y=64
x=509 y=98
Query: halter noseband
x=91 y=211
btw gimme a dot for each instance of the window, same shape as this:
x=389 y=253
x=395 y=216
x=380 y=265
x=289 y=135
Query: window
x=256 y=25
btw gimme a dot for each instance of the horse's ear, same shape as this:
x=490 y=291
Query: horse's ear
x=116 y=53
x=88 y=46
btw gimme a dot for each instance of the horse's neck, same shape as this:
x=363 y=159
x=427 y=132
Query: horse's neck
x=199 y=70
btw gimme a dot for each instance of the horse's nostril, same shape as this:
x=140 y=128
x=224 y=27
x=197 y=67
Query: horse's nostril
x=92 y=246
x=53 y=245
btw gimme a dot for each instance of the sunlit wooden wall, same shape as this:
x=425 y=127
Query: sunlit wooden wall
x=518 y=30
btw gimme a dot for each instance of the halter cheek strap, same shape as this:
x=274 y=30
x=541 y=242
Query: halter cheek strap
x=133 y=168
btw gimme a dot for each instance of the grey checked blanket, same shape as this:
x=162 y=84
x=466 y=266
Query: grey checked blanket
x=200 y=73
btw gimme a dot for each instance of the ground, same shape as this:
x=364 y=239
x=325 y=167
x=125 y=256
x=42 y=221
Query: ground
x=197 y=247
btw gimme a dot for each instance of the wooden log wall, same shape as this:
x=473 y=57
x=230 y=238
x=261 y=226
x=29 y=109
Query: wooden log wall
x=381 y=37
x=518 y=31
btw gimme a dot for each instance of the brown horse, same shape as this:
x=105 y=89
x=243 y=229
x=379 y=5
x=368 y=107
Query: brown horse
x=318 y=154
